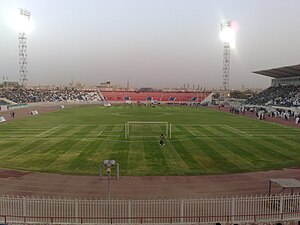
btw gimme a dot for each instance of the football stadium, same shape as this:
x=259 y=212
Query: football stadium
x=105 y=153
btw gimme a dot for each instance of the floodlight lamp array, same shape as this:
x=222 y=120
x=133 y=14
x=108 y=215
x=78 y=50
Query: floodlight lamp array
x=25 y=12
x=108 y=163
x=21 y=21
x=227 y=33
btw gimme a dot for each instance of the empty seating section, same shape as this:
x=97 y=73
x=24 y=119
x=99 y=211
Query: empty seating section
x=157 y=96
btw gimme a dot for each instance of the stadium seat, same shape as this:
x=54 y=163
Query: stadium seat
x=157 y=96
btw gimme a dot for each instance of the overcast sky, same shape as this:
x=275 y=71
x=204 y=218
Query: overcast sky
x=158 y=43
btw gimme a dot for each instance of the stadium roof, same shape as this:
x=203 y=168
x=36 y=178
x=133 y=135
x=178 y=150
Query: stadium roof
x=281 y=72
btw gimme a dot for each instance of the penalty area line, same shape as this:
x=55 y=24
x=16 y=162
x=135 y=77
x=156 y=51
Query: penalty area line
x=48 y=131
x=239 y=131
x=192 y=133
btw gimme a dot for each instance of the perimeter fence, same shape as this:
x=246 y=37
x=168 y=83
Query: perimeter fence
x=245 y=209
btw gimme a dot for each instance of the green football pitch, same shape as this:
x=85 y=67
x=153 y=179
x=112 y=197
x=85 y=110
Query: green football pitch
x=76 y=140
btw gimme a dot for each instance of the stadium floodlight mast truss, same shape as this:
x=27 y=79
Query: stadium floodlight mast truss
x=227 y=35
x=23 y=21
x=168 y=131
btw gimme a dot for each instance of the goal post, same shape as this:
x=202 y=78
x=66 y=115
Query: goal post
x=142 y=128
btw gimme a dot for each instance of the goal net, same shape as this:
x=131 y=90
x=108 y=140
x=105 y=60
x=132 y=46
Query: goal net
x=147 y=129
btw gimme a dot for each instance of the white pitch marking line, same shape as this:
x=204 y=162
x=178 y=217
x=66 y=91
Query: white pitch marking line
x=48 y=130
x=243 y=132
x=192 y=133
x=100 y=133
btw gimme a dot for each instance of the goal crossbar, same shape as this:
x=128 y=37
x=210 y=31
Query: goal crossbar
x=141 y=122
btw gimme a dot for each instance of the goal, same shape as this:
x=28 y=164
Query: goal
x=147 y=129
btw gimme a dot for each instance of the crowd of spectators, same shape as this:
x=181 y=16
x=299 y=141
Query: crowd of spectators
x=287 y=96
x=22 y=95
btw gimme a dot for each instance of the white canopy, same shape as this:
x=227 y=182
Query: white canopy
x=285 y=183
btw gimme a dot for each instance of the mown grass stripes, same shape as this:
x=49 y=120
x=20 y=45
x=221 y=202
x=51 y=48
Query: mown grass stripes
x=76 y=140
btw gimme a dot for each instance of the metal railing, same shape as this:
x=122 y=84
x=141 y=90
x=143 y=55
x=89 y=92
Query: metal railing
x=15 y=209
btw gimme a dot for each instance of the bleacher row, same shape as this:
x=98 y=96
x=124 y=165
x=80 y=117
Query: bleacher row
x=32 y=95
x=287 y=95
x=153 y=96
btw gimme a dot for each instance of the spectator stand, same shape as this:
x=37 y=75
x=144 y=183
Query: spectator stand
x=160 y=96
x=23 y=95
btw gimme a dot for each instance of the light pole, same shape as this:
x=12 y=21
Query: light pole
x=108 y=171
x=227 y=35
x=108 y=164
x=23 y=26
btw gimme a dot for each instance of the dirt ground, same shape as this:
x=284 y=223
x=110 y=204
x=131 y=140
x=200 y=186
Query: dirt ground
x=25 y=183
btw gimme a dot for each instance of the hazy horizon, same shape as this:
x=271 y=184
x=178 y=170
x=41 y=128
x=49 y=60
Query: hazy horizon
x=153 y=43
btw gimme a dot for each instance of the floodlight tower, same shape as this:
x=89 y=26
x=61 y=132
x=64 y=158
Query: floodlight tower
x=227 y=35
x=23 y=29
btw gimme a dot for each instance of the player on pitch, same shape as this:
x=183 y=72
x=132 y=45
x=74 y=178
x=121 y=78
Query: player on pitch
x=162 y=140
